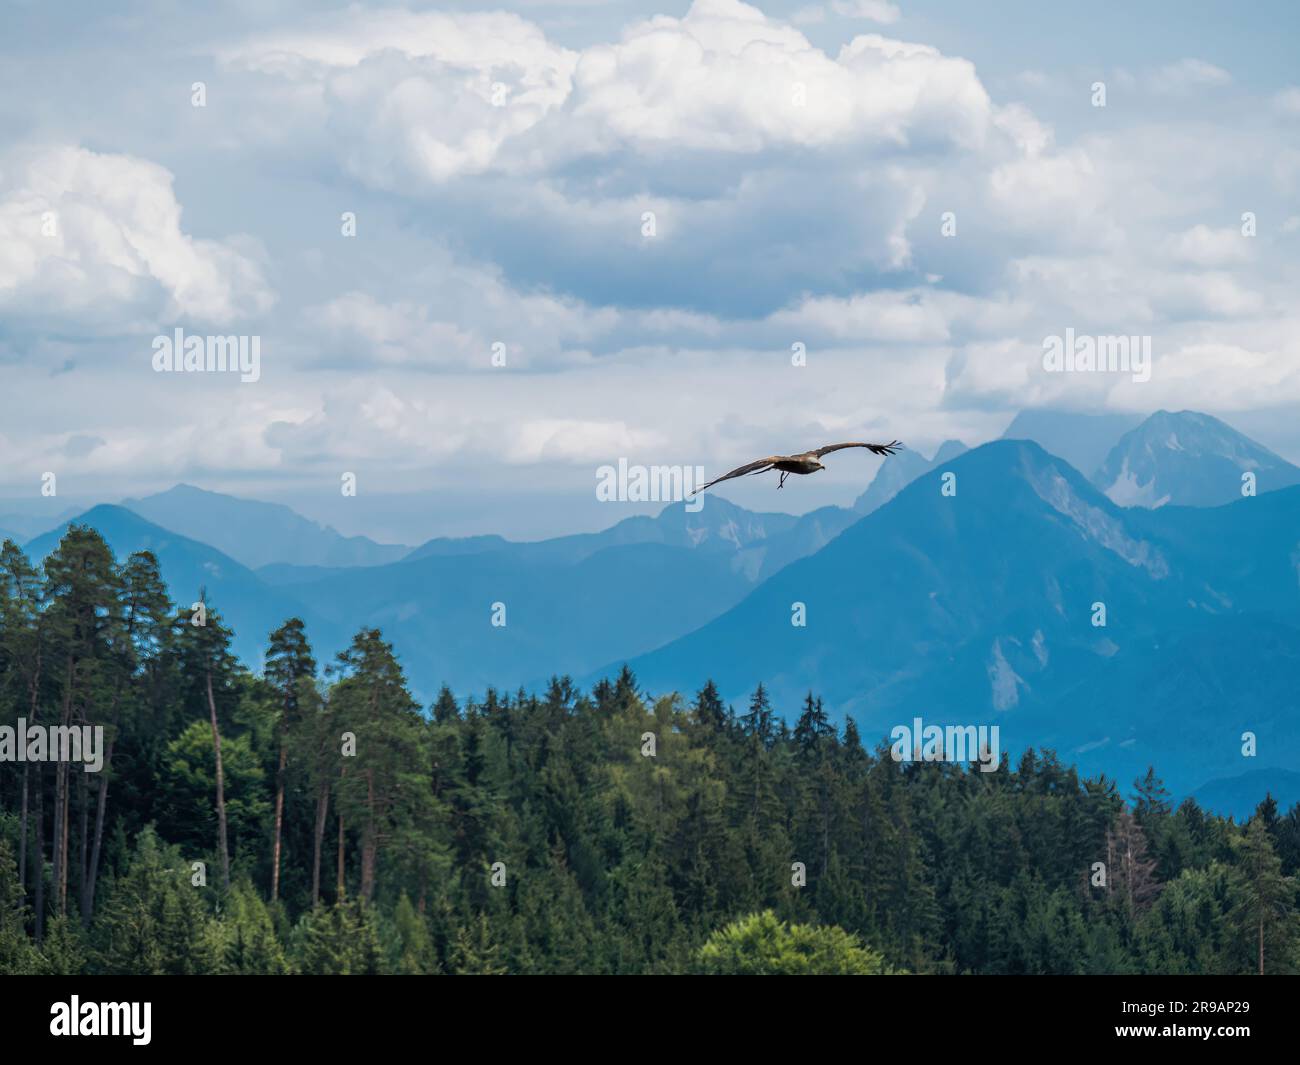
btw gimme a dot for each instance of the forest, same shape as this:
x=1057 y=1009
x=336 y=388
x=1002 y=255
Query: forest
x=314 y=818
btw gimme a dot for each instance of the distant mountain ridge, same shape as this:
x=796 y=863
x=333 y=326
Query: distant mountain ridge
x=248 y=604
x=980 y=608
x=1083 y=440
x=972 y=607
x=755 y=544
x=256 y=533
x=1188 y=459
x=900 y=471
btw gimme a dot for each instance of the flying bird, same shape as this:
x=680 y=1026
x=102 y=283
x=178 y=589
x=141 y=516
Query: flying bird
x=806 y=462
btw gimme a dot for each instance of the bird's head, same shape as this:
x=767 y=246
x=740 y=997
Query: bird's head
x=818 y=466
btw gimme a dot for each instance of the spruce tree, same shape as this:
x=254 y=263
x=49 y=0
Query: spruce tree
x=290 y=668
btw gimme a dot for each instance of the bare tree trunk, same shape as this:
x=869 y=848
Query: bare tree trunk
x=61 y=804
x=1261 y=946
x=33 y=715
x=339 y=891
x=22 y=835
x=279 y=823
x=83 y=859
x=38 y=857
x=826 y=841
x=339 y=887
x=101 y=804
x=56 y=834
x=322 y=812
x=369 y=842
x=63 y=842
x=368 y=867
x=221 y=787
x=88 y=900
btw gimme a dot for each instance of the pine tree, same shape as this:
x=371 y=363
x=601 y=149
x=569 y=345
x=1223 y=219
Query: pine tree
x=387 y=781
x=813 y=727
x=758 y=721
x=476 y=952
x=1152 y=799
x=415 y=953
x=290 y=668
x=138 y=644
x=203 y=644
x=1266 y=910
x=23 y=657
x=445 y=709
x=154 y=920
x=64 y=951
x=709 y=709
x=82 y=588
x=16 y=954
x=249 y=942
x=338 y=940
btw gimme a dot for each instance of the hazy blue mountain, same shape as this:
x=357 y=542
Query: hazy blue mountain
x=281 y=574
x=753 y=544
x=560 y=616
x=809 y=533
x=973 y=609
x=23 y=524
x=1188 y=458
x=978 y=609
x=898 y=472
x=572 y=603
x=250 y=606
x=1083 y=440
x=1239 y=796
x=1240 y=558
x=719 y=525
x=257 y=533
x=948 y=451
x=459 y=545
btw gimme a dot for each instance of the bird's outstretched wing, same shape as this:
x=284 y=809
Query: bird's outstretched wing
x=750 y=467
x=875 y=449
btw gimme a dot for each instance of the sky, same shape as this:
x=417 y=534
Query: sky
x=914 y=195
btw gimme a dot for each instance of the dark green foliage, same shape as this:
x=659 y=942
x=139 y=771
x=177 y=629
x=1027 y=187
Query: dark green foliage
x=557 y=833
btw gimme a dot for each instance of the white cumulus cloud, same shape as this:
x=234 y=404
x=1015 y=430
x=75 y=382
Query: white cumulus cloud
x=100 y=235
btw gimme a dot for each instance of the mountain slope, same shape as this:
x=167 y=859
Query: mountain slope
x=572 y=603
x=23 y=525
x=256 y=533
x=930 y=574
x=1083 y=440
x=246 y=603
x=1239 y=796
x=560 y=616
x=978 y=609
x=751 y=543
x=1190 y=459
x=900 y=471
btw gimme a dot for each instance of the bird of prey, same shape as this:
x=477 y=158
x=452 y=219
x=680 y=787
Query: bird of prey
x=806 y=462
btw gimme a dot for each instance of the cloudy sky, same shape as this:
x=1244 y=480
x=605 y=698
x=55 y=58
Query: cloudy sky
x=798 y=160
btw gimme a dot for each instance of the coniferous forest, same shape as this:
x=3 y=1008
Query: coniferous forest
x=314 y=818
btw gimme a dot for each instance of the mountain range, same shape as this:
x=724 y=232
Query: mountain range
x=973 y=607
x=1083 y=440
x=256 y=533
x=982 y=607
x=191 y=568
x=1187 y=458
